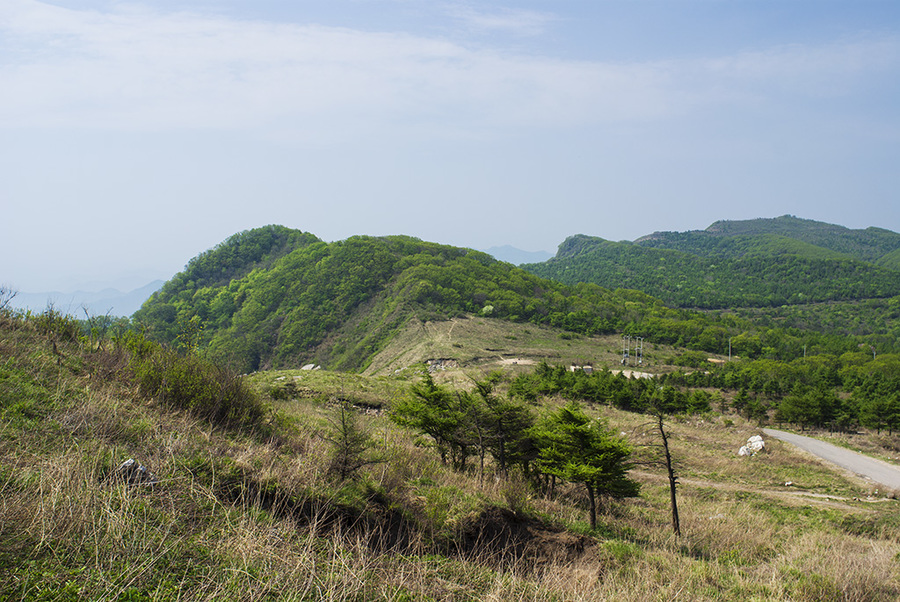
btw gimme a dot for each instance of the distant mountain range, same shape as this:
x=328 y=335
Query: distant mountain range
x=517 y=256
x=108 y=301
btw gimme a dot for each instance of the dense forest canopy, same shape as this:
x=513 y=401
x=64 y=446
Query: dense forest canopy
x=757 y=263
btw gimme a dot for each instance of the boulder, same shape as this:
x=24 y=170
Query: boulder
x=133 y=473
x=755 y=444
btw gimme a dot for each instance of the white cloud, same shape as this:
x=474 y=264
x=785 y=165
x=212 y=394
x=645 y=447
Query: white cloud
x=811 y=70
x=140 y=69
x=515 y=21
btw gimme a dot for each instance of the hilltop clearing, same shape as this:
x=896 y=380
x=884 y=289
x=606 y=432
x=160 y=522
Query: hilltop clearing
x=482 y=344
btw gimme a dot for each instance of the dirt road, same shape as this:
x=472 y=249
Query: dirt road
x=875 y=470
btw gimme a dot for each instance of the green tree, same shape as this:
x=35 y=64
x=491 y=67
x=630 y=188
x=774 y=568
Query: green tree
x=578 y=449
x=804 y=406
x=351 y=443
x=503 y=424
x=444 y=415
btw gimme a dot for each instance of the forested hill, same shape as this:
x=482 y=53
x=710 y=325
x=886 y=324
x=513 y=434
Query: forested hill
x=754 y=263
x=280 y=297
x=771 y=236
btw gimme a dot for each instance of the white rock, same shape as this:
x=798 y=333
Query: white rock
x=755 y=444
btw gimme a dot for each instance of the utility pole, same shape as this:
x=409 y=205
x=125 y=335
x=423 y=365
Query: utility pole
x=626 y=348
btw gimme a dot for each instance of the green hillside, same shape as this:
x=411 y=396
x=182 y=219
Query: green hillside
x=341 y=302
x=275 y=297
x=732 y=238
x=867 y=245
x=757 y=263
x=891 y=261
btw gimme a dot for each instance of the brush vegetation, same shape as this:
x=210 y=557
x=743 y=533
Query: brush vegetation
x=306 y=486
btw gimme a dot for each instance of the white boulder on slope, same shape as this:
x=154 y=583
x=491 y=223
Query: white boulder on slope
x=755 y=444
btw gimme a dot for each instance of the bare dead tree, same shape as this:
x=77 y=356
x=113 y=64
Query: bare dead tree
x=658 y=426
x=7 y=294
x=673 y=480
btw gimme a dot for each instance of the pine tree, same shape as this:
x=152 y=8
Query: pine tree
x=575 y=448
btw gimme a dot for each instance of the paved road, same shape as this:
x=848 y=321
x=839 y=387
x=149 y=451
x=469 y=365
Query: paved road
x=870 y=468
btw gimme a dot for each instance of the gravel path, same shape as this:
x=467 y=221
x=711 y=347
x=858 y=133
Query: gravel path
x=870 y=468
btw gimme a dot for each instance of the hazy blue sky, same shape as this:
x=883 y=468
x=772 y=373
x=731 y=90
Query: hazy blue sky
x=134 y=135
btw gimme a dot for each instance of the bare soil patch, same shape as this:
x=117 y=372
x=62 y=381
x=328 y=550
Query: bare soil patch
x=504 y=537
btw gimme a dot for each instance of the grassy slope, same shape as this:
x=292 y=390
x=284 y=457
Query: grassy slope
x=490 y=343
x=239 y=517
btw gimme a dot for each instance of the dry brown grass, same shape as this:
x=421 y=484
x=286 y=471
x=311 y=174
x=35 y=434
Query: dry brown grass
x=484 y=344
x=237 y=518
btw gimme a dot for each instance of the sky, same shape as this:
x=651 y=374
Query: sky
x=135 y=135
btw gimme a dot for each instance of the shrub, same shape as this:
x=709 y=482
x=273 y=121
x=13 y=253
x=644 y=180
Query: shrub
x=58 y=326
x=190 y=383
x=351 y=444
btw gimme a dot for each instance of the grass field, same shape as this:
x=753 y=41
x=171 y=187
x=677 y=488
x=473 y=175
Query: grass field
x=489 y=343
x=257 y=513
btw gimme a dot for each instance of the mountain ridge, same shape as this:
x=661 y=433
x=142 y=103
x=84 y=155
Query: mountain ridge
x=754 y=263
x=275 y=297
x=293 y=298
x=97 y=303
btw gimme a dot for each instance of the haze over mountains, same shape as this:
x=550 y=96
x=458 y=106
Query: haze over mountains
x=516 y=256
x=107 y=301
